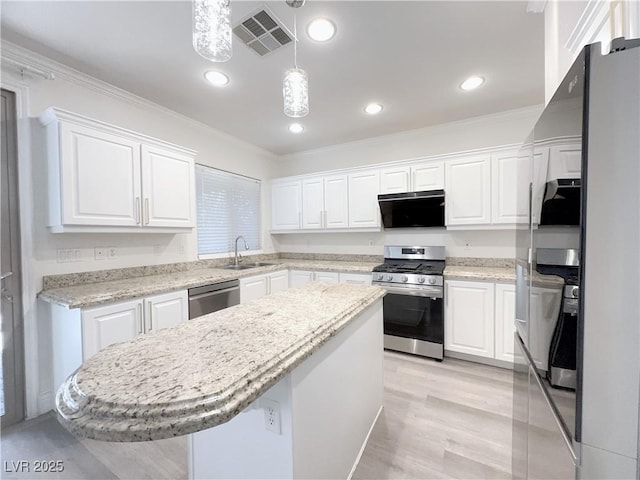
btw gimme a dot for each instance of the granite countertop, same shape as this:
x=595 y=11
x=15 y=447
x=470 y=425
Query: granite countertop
x=498 y=274
x=92 y=294
x=203 y=372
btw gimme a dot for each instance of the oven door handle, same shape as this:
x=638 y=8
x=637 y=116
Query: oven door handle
x=430 y=292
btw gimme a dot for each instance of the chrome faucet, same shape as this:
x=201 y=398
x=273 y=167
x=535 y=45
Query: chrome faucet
x=246 y=247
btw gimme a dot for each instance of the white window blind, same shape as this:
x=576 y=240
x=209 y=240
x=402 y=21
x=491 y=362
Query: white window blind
x=227 y=205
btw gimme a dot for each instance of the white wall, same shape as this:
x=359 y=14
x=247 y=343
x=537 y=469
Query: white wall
x=505 y=128
x=570 y=25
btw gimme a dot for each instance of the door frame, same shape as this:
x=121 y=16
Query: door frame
x=35 y=404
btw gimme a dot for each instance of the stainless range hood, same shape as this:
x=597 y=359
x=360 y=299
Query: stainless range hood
x=412 y=209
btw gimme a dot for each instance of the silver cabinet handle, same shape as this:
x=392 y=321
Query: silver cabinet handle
x=5 y=275
x=140 y=318
x=150 y=309
x=299 y=219
x=146 y=210
x=138 y=210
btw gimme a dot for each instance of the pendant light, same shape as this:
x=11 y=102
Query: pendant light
x=212 y=29
x=295 y=87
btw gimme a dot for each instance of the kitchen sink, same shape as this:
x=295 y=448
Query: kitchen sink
x=245 y=266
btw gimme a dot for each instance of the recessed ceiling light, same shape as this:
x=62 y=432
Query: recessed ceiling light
x=373 y=108
x=321 y=29
x=471 y=83
x=218 y=79
x=296 y=128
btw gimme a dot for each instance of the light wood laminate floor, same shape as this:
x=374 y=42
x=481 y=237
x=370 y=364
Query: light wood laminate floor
x=441 y=420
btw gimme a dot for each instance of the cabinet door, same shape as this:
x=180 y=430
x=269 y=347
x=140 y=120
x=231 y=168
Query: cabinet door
x=505 y=321
x=510 y=188
x=429 y=176
x=355 y=278
x=102 y=326
x=544 y=307
x=469 y=318
x=336 y=202
x=167 y=310
x=252 y=288
x=300 y=277
x=286 y=205
x=278 y=281
x=565 y=161
x=394 y=180
x=99 y=178
x=468 y=187
x=539 y=181
x=328 y=277
x=363 y=199
x=168 y=188
x=313 y=203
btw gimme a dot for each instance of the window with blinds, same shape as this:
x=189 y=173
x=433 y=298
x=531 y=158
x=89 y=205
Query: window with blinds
x=227 y=205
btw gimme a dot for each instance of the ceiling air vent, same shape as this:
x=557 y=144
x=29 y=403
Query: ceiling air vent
x=263 y=32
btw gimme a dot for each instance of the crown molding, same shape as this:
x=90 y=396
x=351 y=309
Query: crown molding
x=595 y=15
x=16 y=55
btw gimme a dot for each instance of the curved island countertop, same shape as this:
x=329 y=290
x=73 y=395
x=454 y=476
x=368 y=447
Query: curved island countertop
x=203 y=372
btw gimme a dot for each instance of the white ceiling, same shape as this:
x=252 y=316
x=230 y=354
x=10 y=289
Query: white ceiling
x=410 y=56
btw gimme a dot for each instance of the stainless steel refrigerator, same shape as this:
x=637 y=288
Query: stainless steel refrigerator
x=576 y=376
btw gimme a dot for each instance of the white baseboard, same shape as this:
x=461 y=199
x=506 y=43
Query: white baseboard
x=45 y=404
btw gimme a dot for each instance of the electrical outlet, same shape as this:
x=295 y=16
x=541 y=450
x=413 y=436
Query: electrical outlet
x=65 y=255
x=271 y=415
x=100 y=253
x=111 y=252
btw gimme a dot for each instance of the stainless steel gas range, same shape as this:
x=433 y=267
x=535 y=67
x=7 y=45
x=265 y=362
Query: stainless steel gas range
x=414 y=304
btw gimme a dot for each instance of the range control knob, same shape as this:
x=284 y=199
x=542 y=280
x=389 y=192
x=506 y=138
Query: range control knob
x=420 y=279
x=389 y=278
x=575 y=292
x=379 y=276
x=432 y=281
x=404 y=278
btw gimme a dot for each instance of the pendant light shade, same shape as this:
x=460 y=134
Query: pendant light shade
x=295 y=87
x=212 y=29
x=295 y=90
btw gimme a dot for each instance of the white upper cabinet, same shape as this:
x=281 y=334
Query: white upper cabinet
x=510 y=188
x=286 y=205
x=565 y=161
x=414 y=178
x=468 y=190
x=106 y=179
x=336 y=202
x=363 y=199
x=165 y=171
x=325 y=202
x=394 y=180
x=539 y=181
x=313 y=202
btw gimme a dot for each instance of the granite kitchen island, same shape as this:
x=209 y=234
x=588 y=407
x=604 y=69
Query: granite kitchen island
x=287 y=386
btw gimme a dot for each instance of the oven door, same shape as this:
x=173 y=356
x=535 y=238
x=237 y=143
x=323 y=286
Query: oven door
x=414 y=313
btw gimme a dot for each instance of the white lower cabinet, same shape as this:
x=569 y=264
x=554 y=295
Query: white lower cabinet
x=468 y=325
x=480 y=319
x=118 y=322
x=300 y=277
x=252 y=288
x=505 y=321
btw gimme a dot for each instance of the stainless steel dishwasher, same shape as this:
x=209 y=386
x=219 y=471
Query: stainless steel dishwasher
x=213 y=297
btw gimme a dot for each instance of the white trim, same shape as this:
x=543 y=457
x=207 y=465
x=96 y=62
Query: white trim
x=593 y=18
x=17 y=54
x=33 y=404
x=536 y=6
